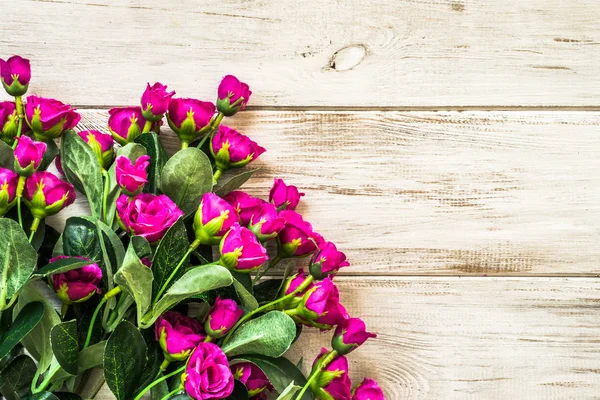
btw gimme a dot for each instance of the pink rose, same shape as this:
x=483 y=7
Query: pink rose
x=15 y=74
x=334 y=379
x=28 y=155
x=320 y=306
x=244 y=204
x=233 y=95
x=132 y=177
x=241 y=251
x=155 y=101
x=266 y=223
x=46 y=195
x=213 y=219
x=147 y=215
x=8 y=121
x=327 y=261
x=285 y=197
x=8 y=189
x=101 y=144
x=223 y=315
x=178 y=335
x=368 y=389
x=295 y=237
x=190 y=118
x=253 y=378
x=125 y=124
x=49 y=118
x=77 y=285
x=207 y=375
x=349 y=334
x=231 y=149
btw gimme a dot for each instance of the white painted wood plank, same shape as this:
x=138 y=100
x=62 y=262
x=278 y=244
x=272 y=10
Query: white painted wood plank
x=473 y=338
x=398 y=53
x=508 y=193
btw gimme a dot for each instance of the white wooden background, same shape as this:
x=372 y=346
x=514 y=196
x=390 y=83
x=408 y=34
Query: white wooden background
x=449 y=147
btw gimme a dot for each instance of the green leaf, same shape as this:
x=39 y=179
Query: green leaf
x=42 y=396
x=49 y=155
x=82 y=169
x=28 y=317
x=168 y=254
x=155 y=359
x=243 y=287
x=269 y=335
x=124 y=360
x=67 y=396
x=158 y=159
x=289 y=392
x=15 y=379
x=7 y=156
x=141 y=246
x=267 y=290
x=280 y=371
x=136 y=279
x=195 y=281
x=239 y=392
x=58 y=267
x=186 y=177
x=234 y=182
x=17 y=259
x=65 y=345
x=90 y=357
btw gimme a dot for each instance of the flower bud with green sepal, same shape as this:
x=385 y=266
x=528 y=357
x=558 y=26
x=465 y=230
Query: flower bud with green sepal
x=320 y=306
x=77 y=285
x=290 y=286
x=332 y=381
x=190 y=118
x=155 y=101
x=9 y=122
x=232 y=95
x=266 y=223
x=223 y=316
x=28 y=156
x=178 y=335
x=350 y=334
x=327 y=261
x=125 y=124
x=101 y=144
x=213 y=219
x=8 y=190
x=241 y=251
x=15 y=74
x=46 y=195
x=231 y=149
x=49 y=118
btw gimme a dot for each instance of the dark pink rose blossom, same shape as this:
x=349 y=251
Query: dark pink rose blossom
x=101 y=144
x=46 y=195
x=295 y=237
x=147 y=215
x=132 y=177
x=213 y=219
x=244 y=204
x=321 y=306
x=231 y=149
x=190 y=118
x=207 y=375
x=223 y=315
x=15 y=74
x=327 y=261
x=28 y=155
x=241 y=251
x=49 y=118
x=8 y=189
x=155 y=101
x=178 y=335
x=232 y=95
x=125 y=124
x=253 y=378
x=334 y=380
x=8 y=121
x=77 y=285
x=146 y=261
x=368 y=389
x=349 y=334
x=285 y=197
x=266 y=223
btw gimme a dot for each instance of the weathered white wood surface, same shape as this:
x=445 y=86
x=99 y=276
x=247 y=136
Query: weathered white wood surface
x=397 y=53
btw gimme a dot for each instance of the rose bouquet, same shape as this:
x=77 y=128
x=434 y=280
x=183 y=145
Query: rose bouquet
x=162 y=289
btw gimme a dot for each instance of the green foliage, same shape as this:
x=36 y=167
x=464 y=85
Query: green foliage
x=158 y=159
x=27 y=318
x=234 y=183
x=63 y=338
x=15 y=379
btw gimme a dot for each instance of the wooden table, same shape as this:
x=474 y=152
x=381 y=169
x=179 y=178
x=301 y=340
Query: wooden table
x=451 y=148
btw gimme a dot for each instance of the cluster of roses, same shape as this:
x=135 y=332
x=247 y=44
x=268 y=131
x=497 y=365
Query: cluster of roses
x=240 y=224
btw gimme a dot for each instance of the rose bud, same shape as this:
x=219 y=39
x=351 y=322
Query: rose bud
x=9 y=122
x=231 y=149
x=125 y=124
x=8 y=189
x=232 y=95
x=77 y=285
x=223 y=315
x=241 y=251
x=291 y=284
x=132 y=177
x=333 y=381
x=327 y=261
x=253 y=378
x=285 y=197
x=102 y=145
x=266 y=223
x=190 y=118
x=350 y=334
x=320 y=306
x=213 y=219
x=49 y=118
x=244 y=204
x=178 y=335
x=28 y=155
x=297 y=237
x=368 y=389
x=46 y=195
x=155 y=101
x=15 y=74
x=207 y=375
x=147 y=215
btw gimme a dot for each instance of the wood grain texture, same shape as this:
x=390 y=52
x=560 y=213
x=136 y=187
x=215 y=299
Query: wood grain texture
x=472 y=338
x=452 y=193
x=396 y=53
